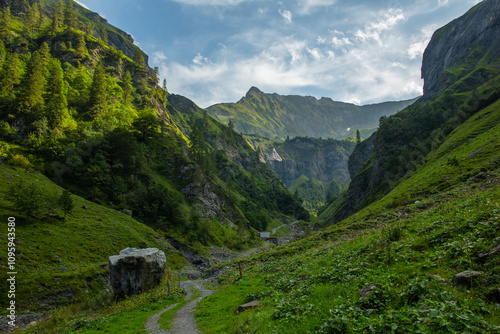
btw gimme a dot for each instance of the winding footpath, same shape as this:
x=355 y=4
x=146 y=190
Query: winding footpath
x=184 y=322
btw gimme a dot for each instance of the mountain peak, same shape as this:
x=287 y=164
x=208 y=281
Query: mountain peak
x=253 y=90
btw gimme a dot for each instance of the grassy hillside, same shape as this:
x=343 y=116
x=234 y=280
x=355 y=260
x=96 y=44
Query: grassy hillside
x=410 y=244
x=80 y=100
x=58 y=260
x=278 y=117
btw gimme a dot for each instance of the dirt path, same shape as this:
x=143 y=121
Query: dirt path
x=184 y=322
x=289 y=225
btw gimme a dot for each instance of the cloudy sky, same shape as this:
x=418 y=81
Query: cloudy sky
x=212 y=51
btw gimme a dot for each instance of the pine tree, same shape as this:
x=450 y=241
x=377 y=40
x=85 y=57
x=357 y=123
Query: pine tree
x=104 y=35
x=88 y=28
x=57 y=17
x=55 y=100
x=138 y=57
x=32 y=19
x=197 y=150
x=155 y=76
x=98 y=95
x=81 y=47
x=358 y=137
x=31 y=96
x=127 y=87
x=70 y=19
x=5 y=24
x=11 y=77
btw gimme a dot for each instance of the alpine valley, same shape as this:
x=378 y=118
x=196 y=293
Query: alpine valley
x=386 y=216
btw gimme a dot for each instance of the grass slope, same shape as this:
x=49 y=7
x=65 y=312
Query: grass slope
x=80 y=243
x=410 y=244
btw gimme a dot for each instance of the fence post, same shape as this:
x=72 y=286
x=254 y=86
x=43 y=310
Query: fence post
x=241 y=272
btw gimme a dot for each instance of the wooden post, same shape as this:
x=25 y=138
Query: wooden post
x=168 y=287
x=241 y=272
x=168 y=273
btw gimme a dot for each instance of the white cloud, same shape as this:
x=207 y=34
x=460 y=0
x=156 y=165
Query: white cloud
x=417 y=49
x=321 y=40
x=199 y=59
x=442 y=3
x=287 y=15
x=307 y=6
x=384 y=21
x=365 y=73
x=340 y=42
x=212 y=2
x=158 y=57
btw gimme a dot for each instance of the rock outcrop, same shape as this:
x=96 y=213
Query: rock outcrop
x=360 y=156
x=469 y=37
x=136 y=270
x=466 y=278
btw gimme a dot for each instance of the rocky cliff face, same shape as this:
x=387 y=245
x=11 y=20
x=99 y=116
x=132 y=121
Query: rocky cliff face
x=460 y=58
x=464 y=41
x=360 y=156
x=324 y=161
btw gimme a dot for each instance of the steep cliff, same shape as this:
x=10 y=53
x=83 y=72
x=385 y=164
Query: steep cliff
x=278 y=116
x=466 y=45
x=360 y=156
x=462 y=76
x=312 y=167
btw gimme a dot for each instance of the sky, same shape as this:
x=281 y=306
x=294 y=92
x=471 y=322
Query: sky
x=214 y=51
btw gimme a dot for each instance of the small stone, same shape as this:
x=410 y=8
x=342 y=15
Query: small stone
x=367 y=290
x=63 y=268
x=277 y=269
x=465 y=278
x=247 y=306
x=85 y=207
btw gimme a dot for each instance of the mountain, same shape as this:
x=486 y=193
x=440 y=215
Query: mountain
x=278 y=117
x=316 y=169
x=79 y=105
x=413 y=246
x=461 y=77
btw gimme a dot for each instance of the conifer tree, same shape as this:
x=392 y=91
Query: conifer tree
x=104 y=35
x=57 y=17
x=88 y=28
x=10 y=78
x=5 y=24
x=138 y=57
x=358 y=137
x=55 y=100
x=127 y=87
x=98 y=95
x=31 y=96
x=32 y=19
x=70 y=19
x=81 y=47
x=197 y=150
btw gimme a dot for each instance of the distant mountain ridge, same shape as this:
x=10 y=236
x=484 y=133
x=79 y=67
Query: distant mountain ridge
x=278 y=116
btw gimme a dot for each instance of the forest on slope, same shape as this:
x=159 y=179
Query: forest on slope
x=80 y=105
